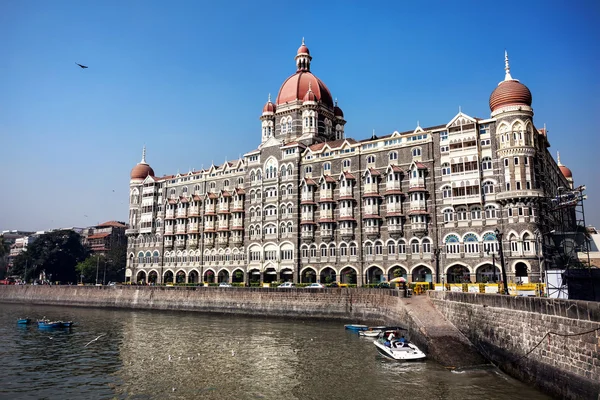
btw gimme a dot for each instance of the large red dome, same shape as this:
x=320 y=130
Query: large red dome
x=295 y=87
x=565 y=171
x=141 y=171
x=508 y=93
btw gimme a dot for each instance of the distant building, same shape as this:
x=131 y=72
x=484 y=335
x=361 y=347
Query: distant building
x=10 y=238
x=311 y=204
x=594 y=251
x=101 y=238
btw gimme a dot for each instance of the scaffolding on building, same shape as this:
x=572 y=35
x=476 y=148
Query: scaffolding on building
x=566 y=246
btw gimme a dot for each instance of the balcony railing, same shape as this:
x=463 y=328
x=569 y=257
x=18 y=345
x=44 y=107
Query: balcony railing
x=308 y=217
x=394 y=208
x=418 y=205
x=238 y=205
x=346 y=212
x=370 y=230
x=346 y=231
x=326 y=214
x=395 y=228
x=371 y=210
x=194 y=212
x=209 y=226
x=181 y=213
x=371 y=188
x=326 y=194
x=346 y=191
x=210 y=208
x=416 y=182
x=308 y=196
x=418 y=226
x=169 y=230
x=170 y=214
x=307 y=234
x=393 y=185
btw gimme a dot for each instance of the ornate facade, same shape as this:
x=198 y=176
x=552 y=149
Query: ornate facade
x=311 y=205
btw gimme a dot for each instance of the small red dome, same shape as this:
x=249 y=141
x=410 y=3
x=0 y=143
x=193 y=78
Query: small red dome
x=295 y=87
x=338 y=112
x=565 y=171
x=510 y=92
x=141 y=171
x=310 y=96
x=303 y=49
x=269 y=107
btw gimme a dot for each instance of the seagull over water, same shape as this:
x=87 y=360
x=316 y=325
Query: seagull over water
x=93 y=340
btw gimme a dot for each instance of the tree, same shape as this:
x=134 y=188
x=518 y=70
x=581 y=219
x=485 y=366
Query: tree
x=4 y=251
x=55 y=254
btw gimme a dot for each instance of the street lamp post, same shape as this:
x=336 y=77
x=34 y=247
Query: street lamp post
x=97 y=265
x=494 y=277
x=505 y=280
x=436 y=254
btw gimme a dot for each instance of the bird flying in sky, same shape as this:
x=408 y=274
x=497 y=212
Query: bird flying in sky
x=82 y=66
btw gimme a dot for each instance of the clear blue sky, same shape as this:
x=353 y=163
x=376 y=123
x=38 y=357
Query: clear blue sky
x=189 y=80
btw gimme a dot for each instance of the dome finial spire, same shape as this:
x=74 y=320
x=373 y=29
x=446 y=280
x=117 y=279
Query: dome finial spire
x=507 y=77
x=269 y=100
x=143 y=155
x=558 y=159
x=303 y=41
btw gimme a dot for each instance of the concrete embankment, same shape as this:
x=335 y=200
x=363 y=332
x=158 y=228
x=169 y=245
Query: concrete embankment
x=427 y=328
x=507 y=329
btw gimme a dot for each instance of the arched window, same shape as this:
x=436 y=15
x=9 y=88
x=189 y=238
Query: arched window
x=155 y=257
x=461 y=214
x=475 y=212
x=414 y=246
x=488 y=187
x=352 y=249
x=391 y=246
x=416 y=152
x=426 y=244
x=327 y=167
x=527 y=243
x=371 y=160
x=448 y=215
x=445 y=168
x=402 y=247
x=452 y=244
x=471 y=243
x=446 y=192
x=486 y=163
x=346 y=163
x=490 y=244
x=368 y=249
x=491 y=212
x=393 y=156
x=308 y=169
x=378 y=248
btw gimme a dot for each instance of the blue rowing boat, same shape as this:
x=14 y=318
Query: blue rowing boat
x=23 y=321
x=356 y=327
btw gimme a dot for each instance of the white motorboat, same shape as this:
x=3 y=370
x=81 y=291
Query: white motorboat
x=372 y=331
x=397 y=349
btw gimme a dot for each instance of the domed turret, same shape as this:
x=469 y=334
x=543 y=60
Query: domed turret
x=309 y=97
x=269 y=107
x=337 y=111
x=142 y=169
x=295 y=87
x=563 y=169
x=510 y=91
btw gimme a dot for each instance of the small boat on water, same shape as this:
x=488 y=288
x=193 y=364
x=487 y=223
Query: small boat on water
x=372 y=331
x=397 y=348
x=46 y=324
x=23 y=321
x=66 y=324
x=356 y=327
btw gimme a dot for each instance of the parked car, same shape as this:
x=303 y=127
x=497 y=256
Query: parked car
x=315 y=286
x=287 y=285
x=225 y=284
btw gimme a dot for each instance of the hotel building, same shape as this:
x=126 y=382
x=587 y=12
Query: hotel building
x=310 y=204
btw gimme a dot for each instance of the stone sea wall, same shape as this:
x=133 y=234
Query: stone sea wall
x=505 y=329
x=375 y=306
